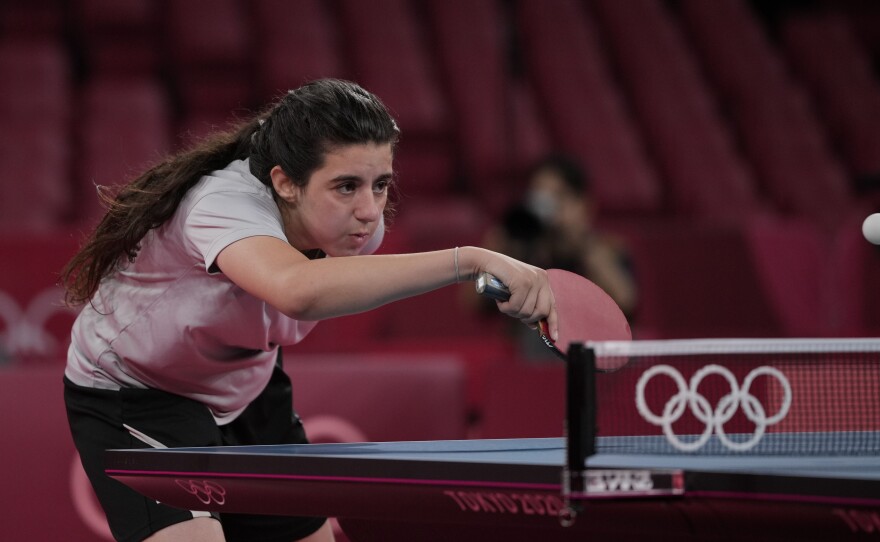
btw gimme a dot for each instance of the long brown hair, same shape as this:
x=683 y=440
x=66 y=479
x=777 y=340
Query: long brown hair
x=294 y=133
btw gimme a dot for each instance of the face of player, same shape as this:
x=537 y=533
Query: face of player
x=340 y=208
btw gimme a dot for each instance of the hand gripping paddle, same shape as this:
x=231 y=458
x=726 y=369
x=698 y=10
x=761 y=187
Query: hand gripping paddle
x=584 y=311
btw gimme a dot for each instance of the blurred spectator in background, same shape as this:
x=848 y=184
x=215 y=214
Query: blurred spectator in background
x=554 y=227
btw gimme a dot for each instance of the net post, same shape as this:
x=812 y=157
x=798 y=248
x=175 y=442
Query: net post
x=580 y=418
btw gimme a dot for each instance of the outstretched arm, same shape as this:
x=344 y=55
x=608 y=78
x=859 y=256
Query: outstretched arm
x=272 y=270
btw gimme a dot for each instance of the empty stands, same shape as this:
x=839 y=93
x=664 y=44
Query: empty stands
x=118 y=37
x=294 y=42
x=109 y=107
x=786 y=145
x=583 y=105
x=705 y=175
x=35 y=118
x=726 y=146
x=826 y=54
x=388 y=50
x=471 y=50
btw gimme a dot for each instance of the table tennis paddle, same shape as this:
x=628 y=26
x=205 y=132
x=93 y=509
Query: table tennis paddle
x=584 y=311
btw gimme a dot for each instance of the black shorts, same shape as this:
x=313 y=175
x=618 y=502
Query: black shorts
x=96 y=418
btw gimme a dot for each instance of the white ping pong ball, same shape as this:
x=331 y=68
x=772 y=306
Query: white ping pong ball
x=871 y=228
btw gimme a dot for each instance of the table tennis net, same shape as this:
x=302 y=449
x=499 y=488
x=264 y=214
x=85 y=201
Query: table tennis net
x=767 y=397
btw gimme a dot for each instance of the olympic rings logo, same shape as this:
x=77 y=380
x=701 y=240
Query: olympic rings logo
x=205 y=491
x=689 y=396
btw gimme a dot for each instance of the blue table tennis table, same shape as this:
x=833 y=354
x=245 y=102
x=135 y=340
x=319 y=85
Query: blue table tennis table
x=512 y=490
x=791 y=485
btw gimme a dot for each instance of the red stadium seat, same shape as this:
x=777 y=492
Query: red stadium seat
x=471 y=44
x=35 y=114
x=784 y=142
x=119 y=37
x=704 y=173
x=211 y=44
x=479 y=354
x=294 y=42
x=35 y=80
x=728 y=38
x=32 y=19
x=524 y=400
x=195 y=125
x=531 y=136
x=825 y=53
x=793 y=268
x=699 y=282
x=378 y=397
x=429 y=224
x=444 y=314
x=389 y=56
x=865 y=20
x=124 y=128
x=791 y=154
x=35 y=192
x=352 y=333
x=567 y=68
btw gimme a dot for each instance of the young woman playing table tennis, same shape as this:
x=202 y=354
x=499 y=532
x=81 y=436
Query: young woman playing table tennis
x=210 y=261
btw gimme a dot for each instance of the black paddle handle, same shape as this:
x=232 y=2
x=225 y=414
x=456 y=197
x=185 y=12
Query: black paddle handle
x=491 y=287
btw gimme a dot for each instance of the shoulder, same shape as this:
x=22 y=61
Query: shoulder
x=226 y=206
x=230 y=191
x=234 y=178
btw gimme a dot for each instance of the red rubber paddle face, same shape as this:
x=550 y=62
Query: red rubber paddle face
x=584 y=313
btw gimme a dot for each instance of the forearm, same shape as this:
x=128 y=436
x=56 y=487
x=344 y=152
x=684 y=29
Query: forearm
x=329 y=287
